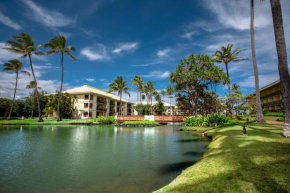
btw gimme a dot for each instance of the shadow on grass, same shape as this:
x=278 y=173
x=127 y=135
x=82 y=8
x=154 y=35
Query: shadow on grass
x=193 y=153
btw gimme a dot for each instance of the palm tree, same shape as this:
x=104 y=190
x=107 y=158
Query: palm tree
x=31 y=85
x=24 y=44
x=282 y=62
x=170 y=90
x=119 y=85
x=259 y=112
x=14 y=66
x=226 y=56
x=163 y=93
x=138 y=81
x=56 y=45
x=149 y=89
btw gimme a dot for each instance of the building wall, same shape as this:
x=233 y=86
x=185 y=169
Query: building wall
x=98 y=106
x=271 y=98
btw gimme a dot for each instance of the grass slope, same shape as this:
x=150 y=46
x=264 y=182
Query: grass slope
x=258 y=162
x=48 y=121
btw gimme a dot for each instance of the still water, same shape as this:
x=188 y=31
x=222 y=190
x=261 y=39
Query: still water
x=94 y=158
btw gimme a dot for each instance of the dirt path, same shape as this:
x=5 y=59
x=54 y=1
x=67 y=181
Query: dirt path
x=275 y=122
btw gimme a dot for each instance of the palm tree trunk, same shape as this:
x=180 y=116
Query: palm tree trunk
x=120 y=106
x=12 y=105
x=282 y=62
x=259 y=112
x=229 y=84
x=37 y=96
x=60 y=90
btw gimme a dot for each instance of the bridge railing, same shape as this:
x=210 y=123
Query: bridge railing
x=158 y=118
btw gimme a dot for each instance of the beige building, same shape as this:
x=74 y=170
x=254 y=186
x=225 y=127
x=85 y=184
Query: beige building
x=92 y=102
x=271 y=97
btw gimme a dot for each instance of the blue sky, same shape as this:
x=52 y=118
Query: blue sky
x=145 y=38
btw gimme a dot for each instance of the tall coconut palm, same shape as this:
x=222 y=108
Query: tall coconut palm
x=14 y=66
x=170 y=91
x=282 y=62
x=138 y=81
x=226 y=55
x=24 y=44
x=149 y=89
x=259 y=112
x=31 y=85
x=119 y=85
x=58 y=45
x=163 y=93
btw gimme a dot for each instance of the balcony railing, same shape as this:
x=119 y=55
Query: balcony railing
x=272 y=94
x=101 y=109
x=274 y=103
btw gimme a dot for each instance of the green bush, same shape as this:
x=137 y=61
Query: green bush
x=11 y=118
x=144 y=122
x=209 y=120
x=89 y=121
x=274 y=114
x=106 y=120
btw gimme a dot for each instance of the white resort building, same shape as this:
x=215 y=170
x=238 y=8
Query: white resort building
x=92 y=102
x=170 y=109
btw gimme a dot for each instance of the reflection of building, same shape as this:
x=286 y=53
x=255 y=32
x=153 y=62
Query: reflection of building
x=93 y=102
x=271 y=97
x=170 y=109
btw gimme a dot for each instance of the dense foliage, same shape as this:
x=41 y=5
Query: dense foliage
x=106 y=120
x=204 y=121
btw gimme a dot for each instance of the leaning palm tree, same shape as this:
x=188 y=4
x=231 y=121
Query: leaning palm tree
x=119 y=85
x=56 y=45
x=259 y=112
x=138 y=81
x=282 y=62
x=14 y=66
x=24 y=44
x=226 y=55
x=31 y=85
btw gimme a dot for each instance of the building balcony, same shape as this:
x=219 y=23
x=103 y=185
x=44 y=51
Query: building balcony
x=101 y=109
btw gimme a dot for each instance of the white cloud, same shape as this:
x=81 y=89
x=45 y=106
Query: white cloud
x=157 y=74
x=96 y=52
x=263 y=80
x=188 y=35
x=236 y=14
x=164 y=52
x=7 y=21
x=90 y=79
x=49 y=18
x=126 y=47
x=6 y=55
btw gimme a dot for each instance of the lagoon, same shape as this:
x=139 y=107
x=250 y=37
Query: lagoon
x=94 y=158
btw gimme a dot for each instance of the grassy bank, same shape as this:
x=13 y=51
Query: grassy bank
x=258 y=162
x=48 y=121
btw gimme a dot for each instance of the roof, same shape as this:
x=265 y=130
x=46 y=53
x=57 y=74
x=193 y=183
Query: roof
x=268 y=86
x=86 y=89
x=154 y=102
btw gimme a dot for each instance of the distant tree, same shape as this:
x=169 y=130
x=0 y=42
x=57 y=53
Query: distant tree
x=58 y=45
x=5 y=105
x=14 y=66
x=149 y=89
x=138 y=81
x=24 y=44
x=139 y=108
x=159 y=108
x=119 y=85
x=32 y=95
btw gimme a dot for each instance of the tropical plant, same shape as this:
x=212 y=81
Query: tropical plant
x=119 y=85
x=159 y=108
x=14 y=66
x=259 y=117
x=282 y=62
x=149 y=90
x=58 y=45
x=24 y=44
x=138 y=81
x=33 y=95
x=163 y=93
x=67 y=107
x=5 y=105
x=106 y=120
x=206 y=121
x=139 y=108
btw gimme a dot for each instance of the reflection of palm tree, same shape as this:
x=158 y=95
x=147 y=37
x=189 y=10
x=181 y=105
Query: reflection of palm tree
x=14 y=66
x=119 y=85
x=57 y=44
x=259 y=112
x=282 y=62
x=33 y=95
x=24 y=44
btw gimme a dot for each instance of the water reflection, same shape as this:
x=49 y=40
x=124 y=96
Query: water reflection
x=94 y=158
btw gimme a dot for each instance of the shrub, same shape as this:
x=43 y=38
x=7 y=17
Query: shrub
x=238 y=117
x=11 y=118
x=106 y=120
x=275 y=114
x=209 y=120
x=144 y=122
x=89 y=121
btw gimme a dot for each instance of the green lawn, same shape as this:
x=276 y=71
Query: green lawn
x=48 y=121
x=269 y=118
x=258 y=162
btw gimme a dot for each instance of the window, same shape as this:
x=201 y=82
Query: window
x=86 y=105
x=86 y=97
x=85 y=114
x=90 y=114
x=91 y=97
x=91 y=105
